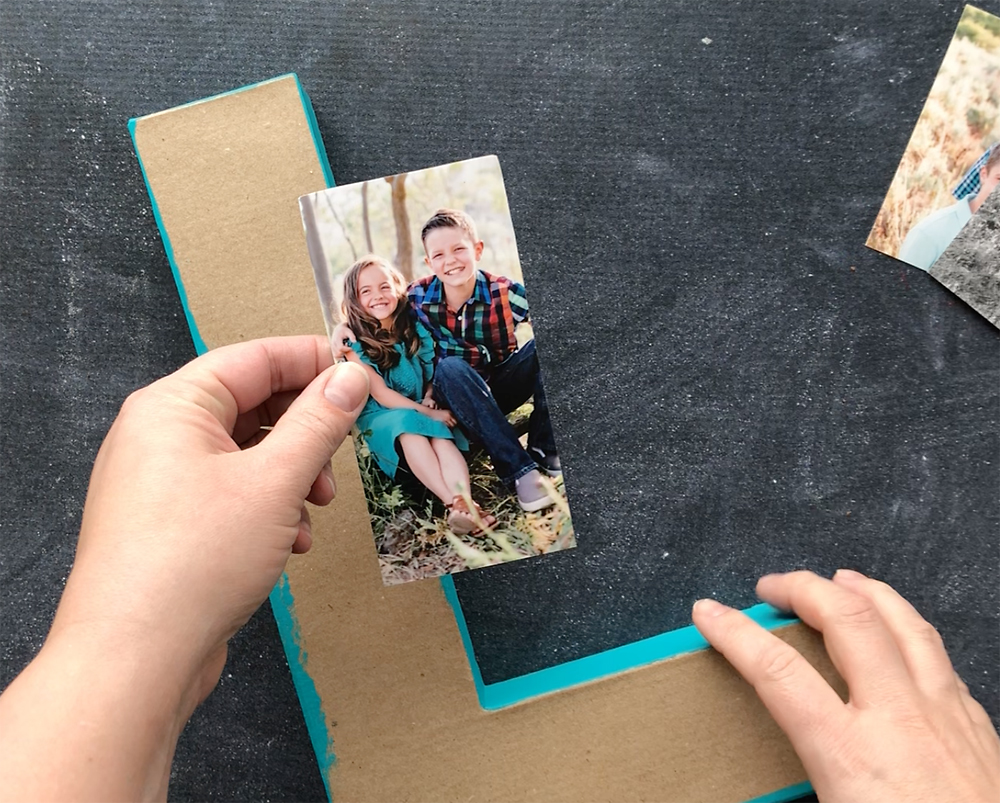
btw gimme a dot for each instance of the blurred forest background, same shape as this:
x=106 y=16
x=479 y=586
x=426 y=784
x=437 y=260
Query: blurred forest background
x=959 y=121
x=384 y=216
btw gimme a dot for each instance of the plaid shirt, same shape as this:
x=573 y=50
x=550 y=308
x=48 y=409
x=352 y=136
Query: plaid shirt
x=482 y=331
x=969 y=185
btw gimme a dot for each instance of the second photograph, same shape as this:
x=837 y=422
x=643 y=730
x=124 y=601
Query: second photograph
x=420 y=282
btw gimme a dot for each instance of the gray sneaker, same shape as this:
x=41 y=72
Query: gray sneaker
x=531 y=494
x=547 y=463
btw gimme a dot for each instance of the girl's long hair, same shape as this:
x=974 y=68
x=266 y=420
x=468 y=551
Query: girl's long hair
x=378 y=343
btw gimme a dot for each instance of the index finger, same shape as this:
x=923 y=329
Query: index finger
x=803 y=704
x=234 y=379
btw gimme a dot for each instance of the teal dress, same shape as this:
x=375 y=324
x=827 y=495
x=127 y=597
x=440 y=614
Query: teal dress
x=381 y=426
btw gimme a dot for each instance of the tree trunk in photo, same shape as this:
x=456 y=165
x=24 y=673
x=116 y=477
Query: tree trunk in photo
x=321 y=266
x=343 y=228
x=364 y=217
x=404 y=244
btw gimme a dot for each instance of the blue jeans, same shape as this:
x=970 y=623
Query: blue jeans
x=481 y=407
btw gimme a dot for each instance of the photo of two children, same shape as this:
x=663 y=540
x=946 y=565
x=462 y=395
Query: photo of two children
x=420 y=283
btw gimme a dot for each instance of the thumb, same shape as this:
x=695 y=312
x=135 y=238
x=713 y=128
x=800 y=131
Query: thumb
x=304 y=439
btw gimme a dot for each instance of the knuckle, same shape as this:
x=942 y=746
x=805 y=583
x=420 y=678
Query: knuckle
x=929 y=635
x=138 y=402
x=132 y=402
x=778 y=663
x=856 y=611
x=311 y=420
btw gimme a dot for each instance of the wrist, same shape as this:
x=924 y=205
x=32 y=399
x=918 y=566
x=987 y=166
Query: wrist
x=134 y=622
x=130 y=664
x=105 y=632
x=104 y=708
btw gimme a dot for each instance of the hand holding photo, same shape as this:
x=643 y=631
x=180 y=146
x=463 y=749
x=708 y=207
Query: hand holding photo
x=456 y=450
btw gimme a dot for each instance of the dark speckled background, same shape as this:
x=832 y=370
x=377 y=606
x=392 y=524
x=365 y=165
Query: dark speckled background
x=739 y=385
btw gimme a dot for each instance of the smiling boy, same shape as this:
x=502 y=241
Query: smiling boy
x=481 y=373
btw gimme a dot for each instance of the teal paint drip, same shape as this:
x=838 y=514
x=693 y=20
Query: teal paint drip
x=283 y=606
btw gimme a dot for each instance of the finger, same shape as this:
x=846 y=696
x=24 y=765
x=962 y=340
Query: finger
x=324 y=487
x=800 y=700
x=858 y=641
x=234 y=379
x=306 y=436
x=303 y=539
x=919 y=643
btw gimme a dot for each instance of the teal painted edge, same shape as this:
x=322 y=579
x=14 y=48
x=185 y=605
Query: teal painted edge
x=783 y=795
x=282 y=600
x=199 y=344
x=494 y=696
x=314 y=130
x=283 y=605
x=448 y=584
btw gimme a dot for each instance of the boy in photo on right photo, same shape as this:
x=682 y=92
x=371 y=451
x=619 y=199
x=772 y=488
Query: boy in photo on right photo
x=482 y=373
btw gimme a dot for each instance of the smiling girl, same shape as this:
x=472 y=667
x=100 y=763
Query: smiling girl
x=400 y=419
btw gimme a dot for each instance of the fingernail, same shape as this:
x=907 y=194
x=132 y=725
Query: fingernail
x=709 y=607
x=347 y=387
x=328 y=473
x=848 y=574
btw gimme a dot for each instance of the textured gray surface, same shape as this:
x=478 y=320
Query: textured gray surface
x=732 y=372
x=970 y=265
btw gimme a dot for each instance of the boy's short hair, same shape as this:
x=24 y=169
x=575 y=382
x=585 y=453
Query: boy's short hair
x=452 y=219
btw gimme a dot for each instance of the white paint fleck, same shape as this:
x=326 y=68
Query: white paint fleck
x=706 y=41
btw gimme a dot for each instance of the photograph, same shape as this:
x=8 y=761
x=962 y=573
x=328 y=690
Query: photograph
x=952 y=160
x=420 y=283
x=970 y=266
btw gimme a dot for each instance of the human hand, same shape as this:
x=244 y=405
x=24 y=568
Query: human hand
x=342 y=335
x=187 y=528
x=196 y=500
x=442 y=415
x=911 y=730
x=428 y=400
